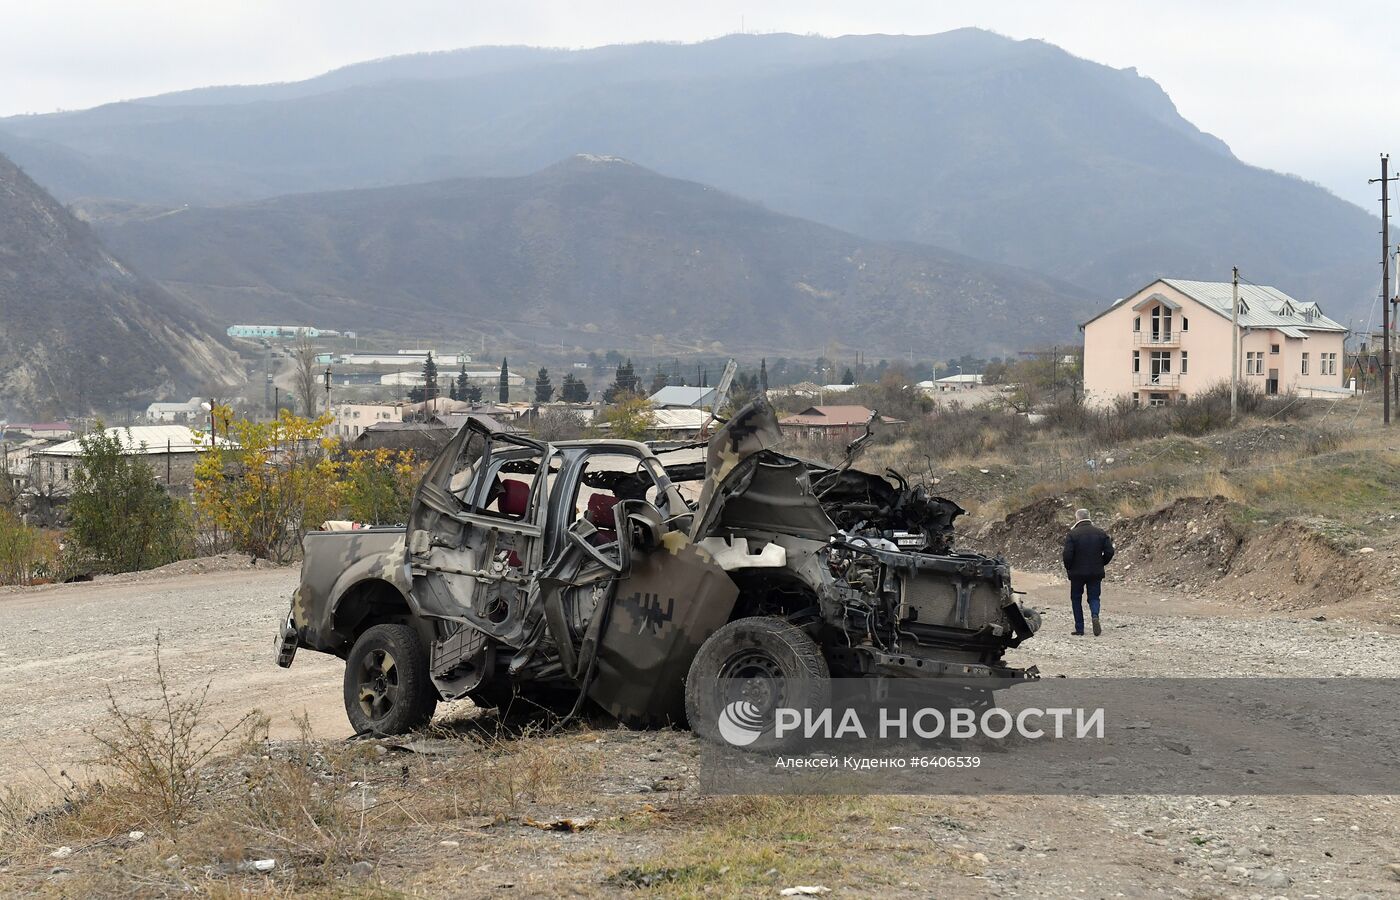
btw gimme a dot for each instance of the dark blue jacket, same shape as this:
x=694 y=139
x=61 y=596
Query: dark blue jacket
x=1088 y=548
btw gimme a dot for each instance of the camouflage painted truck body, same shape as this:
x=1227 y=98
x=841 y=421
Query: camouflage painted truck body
x=580 y=570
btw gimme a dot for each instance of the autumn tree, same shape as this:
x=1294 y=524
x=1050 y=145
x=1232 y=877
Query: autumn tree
x=268 y=487
x=629 y=418
x=376 y=487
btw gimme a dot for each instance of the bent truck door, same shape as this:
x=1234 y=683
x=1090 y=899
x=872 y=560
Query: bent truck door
x=474 y=531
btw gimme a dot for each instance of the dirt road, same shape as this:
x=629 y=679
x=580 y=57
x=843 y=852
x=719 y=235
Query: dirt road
x=63 y=647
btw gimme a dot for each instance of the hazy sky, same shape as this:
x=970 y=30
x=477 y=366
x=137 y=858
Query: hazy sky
x=1300 y=87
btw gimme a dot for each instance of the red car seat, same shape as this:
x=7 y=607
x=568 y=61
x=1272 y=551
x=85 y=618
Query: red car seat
x=515 y=498
x=600 y=515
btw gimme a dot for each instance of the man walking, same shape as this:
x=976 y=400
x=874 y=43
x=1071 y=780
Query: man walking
x=1088 y=548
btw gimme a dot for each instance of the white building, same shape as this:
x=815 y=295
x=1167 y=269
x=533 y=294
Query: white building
x=349 y=420
x=1173 y=339
x=191 y=410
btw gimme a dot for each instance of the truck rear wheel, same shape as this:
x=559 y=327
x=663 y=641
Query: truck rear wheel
x=744 y=672
x=387 y=688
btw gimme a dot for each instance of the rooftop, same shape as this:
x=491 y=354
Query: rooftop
x=682 y=395
x=835 y=417
x=145 y=439
x=1261 y=306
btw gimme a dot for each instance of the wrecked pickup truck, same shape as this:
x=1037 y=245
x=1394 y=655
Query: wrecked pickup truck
x=595 y=569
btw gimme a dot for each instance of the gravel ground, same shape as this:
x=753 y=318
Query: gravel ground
x=64 y=646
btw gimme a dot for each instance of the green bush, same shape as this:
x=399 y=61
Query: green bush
x=121 y=517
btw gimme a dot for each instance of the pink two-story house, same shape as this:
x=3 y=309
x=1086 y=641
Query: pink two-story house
x=1171 y=340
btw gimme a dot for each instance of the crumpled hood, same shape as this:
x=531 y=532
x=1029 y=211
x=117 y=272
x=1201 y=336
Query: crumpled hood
x=752 y=430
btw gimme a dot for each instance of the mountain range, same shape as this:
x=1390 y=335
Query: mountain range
x=589 y=246
x=80 y=330
x=1014 y=152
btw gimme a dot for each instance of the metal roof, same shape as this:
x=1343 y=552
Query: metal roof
x=678 y=419
x=1264 y=306
x=835 y=417
x=682 y=395
x=144 y=439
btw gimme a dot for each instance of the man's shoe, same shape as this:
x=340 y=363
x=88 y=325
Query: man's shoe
x=1076 y=634
x=1098 y=629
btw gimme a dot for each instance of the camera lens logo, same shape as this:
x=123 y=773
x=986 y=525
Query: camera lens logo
x=740 y=723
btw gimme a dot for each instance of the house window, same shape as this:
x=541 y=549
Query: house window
x=1161 y=323
x=1156 y=399
x=1137 y=362
x=1161 y=365
x=1273 y=348
x=1185 y=323
x=65 y=473
x=1183 y=362
x=1254 y=363
x=1305 y=364
x=1137 y=400
x=1329 y=364
x=1137 y=323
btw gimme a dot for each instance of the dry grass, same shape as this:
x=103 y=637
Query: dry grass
x=155 y=753
x=746 y=846
x=204 y=801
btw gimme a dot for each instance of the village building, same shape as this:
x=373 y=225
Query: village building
x=680 y=396
x=1172 y=340
x=48 y=431
x=349 y=420
x=170 y=450
x=846 y=422
x=176 y=413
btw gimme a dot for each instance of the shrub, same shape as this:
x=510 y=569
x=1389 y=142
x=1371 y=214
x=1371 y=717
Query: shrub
x=156 y=752
x=559 y=425
x=121 y=517
x=26 y=553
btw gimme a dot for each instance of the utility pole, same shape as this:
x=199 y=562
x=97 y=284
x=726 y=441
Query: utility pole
x=1385 y=180
x=1234 y=341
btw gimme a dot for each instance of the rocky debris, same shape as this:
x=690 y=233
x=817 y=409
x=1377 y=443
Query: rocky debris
x=258 y=866
x=561 y=823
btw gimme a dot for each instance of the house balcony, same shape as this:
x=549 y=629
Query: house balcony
x=1166 y=381
x=1162 y=339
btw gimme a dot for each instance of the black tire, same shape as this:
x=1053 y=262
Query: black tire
x=764 y=661
x=387 y=687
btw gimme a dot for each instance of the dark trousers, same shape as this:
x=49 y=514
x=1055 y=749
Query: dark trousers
x=1076 y=596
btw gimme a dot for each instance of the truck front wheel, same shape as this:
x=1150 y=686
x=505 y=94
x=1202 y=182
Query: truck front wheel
x=387 y=688
x=744 y=672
